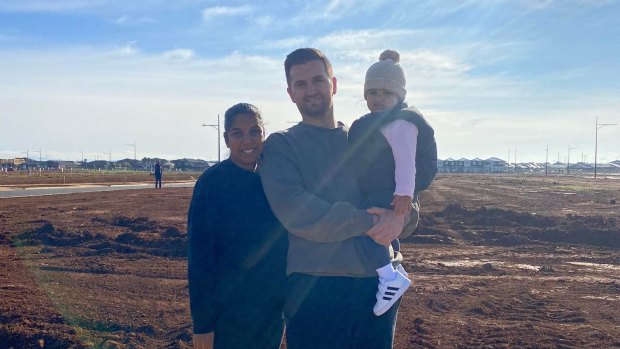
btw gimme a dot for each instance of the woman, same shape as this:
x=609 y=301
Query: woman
x=236 y=247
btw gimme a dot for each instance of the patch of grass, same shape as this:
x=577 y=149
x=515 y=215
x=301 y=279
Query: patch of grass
x=572 y=187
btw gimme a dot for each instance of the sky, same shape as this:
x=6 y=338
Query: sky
x=495 y=78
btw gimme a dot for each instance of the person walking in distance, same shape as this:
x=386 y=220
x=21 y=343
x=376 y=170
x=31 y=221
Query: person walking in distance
x=158 y=175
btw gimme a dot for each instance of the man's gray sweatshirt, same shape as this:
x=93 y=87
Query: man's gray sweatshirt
x=311 y=187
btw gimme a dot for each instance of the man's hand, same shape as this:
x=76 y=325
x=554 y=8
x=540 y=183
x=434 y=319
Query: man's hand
x=203 y=340
x=402 y=205
x=389 y=227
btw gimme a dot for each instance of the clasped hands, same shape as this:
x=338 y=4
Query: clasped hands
x=388 y=225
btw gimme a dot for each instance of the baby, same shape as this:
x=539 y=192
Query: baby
x=397 y=159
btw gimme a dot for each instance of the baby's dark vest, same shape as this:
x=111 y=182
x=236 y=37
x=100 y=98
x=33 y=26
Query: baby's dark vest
x=373 y=159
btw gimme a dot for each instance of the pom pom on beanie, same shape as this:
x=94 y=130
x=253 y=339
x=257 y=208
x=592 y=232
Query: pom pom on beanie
x=390 y=54
x=387 y=74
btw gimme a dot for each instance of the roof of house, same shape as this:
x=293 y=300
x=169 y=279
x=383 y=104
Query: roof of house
x=494 y=159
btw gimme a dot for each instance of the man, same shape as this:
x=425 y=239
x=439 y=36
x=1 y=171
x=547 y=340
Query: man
x=157 y=175
x=311 y=188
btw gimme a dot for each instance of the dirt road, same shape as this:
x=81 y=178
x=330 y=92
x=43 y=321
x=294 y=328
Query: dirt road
x=498 y=262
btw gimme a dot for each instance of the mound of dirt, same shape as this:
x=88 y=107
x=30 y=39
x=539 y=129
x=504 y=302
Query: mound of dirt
x=168 y=242
x=48 y=235
x=15 y=336
x=500 y=227
x=134 y=224
x=484 y=216
x=159 y=244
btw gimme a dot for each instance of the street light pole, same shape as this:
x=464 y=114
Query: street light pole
x=26 y=157
x=134 y=150
x=568 y=160
x=217 y=127
x=39 y=151
x=596 y=141
x=546 y=159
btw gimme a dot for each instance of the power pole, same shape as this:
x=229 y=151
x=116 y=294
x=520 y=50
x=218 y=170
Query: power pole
x=515 y=160
x=39 y=151
x=134 y=149
x=26 y=157
x=508 y=160
x=546 y=158
x=568 y=160
x=596 y=141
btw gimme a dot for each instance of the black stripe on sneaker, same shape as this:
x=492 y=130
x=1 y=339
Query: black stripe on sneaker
x=393 y=288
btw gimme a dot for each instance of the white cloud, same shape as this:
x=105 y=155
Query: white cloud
x=104 y=99
x=264 y=21
x=94 y=100
x=288 y=43
x=126 y=50
x=434 y=62
x=335 y=9
x=365 y=44
x=226 y=11
x=127 y=20
x=179 y=54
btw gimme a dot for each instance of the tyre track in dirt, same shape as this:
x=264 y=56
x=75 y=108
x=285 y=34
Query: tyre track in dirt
x=501 y=322
x=37 y=323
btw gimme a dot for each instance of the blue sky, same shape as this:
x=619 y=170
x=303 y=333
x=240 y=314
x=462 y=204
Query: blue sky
x=88 y=77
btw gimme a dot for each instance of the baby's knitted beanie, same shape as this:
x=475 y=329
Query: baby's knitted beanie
x=387 y=74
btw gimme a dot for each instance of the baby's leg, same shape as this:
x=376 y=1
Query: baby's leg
x=392 y=282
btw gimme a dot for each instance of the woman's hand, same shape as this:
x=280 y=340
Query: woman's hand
x=203 y=340
x=402 y=205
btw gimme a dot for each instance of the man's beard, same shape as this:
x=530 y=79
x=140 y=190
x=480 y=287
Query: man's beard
x=315 y=111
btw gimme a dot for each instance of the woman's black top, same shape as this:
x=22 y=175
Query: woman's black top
x=236 y=247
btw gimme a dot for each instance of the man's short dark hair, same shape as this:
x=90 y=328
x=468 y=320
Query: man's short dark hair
x=305 y=55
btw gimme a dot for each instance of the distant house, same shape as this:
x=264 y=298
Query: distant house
x=463 y=165
x=13 y=164
x=25 y=163
x=581 y=167
x=448 y=165
x=496 y=165
x=149 y=163
x=51 y=165
x=128 y=164
x=477 y=165
x=65 y=165
x=611 y=167
x=527 y=167
x=190 y=164
x=97 y=164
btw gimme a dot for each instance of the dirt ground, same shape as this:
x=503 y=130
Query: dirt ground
x=497 y=262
